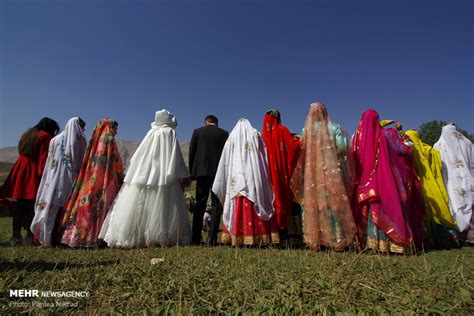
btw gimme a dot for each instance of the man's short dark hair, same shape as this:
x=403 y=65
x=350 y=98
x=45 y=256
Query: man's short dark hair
x=211 y=119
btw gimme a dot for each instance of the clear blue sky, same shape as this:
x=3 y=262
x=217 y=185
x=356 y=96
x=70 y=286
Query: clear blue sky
x=410 y=60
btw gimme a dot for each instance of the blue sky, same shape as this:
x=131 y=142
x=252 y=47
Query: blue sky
x=410 y=60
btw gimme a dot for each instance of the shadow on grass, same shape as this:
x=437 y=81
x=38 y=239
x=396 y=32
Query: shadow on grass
x=42 y=266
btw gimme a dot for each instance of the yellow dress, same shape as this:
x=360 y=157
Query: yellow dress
x=427 y=161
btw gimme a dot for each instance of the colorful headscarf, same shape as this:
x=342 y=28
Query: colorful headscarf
x=385 y=123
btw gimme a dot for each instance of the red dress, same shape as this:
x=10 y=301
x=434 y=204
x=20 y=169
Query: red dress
x=250 y=229
x=283 y=153
x=25 y=176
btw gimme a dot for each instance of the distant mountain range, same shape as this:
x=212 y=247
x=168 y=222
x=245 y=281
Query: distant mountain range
x=127 y=149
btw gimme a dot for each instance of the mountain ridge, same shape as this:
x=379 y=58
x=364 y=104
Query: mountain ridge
x=126 y=147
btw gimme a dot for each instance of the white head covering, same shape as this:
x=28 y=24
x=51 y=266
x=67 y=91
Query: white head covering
x=164 y=118
x=158 y=160
x=65 y=155
x=458 y=173
x=243 y=170
x=66 y=151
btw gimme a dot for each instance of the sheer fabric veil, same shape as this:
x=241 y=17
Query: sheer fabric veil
x=319 y=184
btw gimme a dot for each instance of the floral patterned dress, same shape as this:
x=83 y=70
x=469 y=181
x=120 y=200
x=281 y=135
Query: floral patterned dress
x=94 y=190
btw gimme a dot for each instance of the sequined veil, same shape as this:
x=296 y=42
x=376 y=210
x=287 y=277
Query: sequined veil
x=320 y=186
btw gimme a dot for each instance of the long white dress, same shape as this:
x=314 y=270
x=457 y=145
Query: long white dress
x=150 y=208
x=243 y=170
x=458 y=173
x=65 y=154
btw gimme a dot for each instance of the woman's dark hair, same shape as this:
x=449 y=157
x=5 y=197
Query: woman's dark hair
x=27 y=144
x=48 y=125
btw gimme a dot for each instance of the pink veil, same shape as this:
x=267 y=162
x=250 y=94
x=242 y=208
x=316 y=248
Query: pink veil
x=375 y=183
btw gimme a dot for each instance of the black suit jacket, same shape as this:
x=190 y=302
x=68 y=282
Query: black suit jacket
x=205 y=150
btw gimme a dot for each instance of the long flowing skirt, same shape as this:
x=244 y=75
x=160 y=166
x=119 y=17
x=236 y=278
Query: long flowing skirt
x=145 y=216
x=251 y=230
x=43 y=224
x=84 y=237
x=324 y=229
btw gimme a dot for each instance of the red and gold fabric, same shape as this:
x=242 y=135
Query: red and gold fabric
x=250 y=230
x=283 y=152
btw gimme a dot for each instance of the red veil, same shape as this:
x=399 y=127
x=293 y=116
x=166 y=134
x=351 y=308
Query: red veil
x=283 y=152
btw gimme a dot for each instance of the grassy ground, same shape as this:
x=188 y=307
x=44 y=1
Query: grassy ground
x=227 y=280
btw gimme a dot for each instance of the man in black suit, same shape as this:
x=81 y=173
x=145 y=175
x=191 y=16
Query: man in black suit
x=205 y=152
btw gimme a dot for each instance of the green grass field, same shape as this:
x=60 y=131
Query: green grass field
x=228 y=280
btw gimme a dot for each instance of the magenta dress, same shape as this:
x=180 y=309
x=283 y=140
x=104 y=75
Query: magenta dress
x=380 y=196
x=408 y=183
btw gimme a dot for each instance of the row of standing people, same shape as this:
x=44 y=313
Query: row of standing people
x=369 y=194
x=64 y=186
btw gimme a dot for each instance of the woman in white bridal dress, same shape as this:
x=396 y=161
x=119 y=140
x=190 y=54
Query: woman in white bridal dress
x=150 y=208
